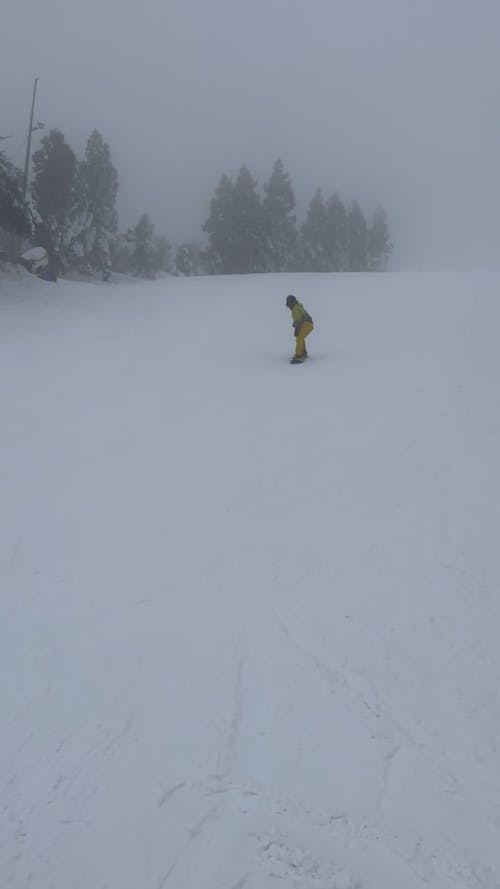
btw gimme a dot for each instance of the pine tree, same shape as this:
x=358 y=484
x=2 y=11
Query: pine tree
x=77 y=236
x=357 y=248
x=314 y=252
x=188 y=259
x=14 y=213
x=122 y=258
x=142 y=237
x=280 y=224
x=336 y=234
x=59 y=197
x=162 y=255
x=101 y=181
x=379 y=242
x=249 y=241
x=220 y=227
x=235 y=227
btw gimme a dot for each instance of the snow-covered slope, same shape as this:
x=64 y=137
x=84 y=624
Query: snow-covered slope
x=249 y=611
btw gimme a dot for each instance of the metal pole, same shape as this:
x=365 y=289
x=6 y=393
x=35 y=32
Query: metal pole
x=28 y=147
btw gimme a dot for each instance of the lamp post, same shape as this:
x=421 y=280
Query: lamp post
x=31 y=129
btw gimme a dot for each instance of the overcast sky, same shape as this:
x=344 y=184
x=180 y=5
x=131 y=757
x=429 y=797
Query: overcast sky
x=390 y=101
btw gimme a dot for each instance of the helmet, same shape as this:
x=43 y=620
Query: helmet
x=290 y=300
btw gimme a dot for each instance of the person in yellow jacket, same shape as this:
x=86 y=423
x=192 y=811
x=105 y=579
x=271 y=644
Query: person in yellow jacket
x=302 y=326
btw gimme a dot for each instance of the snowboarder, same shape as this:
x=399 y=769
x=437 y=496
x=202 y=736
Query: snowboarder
x=302 y=325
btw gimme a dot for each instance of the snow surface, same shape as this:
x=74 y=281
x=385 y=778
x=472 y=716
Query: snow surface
x=250 y=612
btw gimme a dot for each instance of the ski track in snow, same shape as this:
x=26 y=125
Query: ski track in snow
x=357 y=827
x=225 y=765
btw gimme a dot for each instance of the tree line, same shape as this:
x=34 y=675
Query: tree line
x=71 y=212
x=248 y=232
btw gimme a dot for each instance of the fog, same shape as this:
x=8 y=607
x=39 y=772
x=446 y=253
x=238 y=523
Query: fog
x=386 y=101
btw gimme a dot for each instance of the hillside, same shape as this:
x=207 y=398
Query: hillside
x=249 y=612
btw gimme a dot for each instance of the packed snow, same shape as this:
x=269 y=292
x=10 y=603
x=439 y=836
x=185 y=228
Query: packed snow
x=249 y=625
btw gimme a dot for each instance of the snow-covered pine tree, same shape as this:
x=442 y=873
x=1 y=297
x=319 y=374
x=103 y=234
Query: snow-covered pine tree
x=220 y=227
x=101 y=181
x=313 y=236
x=78 y=236
x=336 y=234
x=279 y=221
x=357 y=245
x=142 y=237
x=15 y=216
x=59 y=198
x=188 y=259
x=379 y=242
